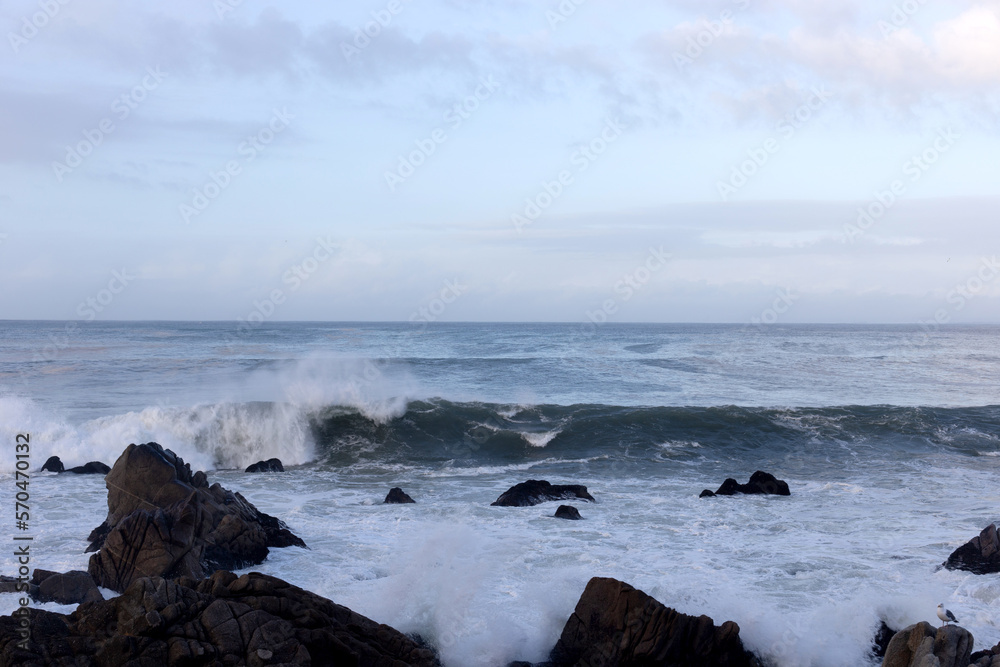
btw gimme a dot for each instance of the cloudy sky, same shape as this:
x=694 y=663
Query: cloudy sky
x=799 y=161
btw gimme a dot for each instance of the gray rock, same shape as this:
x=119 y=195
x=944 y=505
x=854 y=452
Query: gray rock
x=923 y=645
x=980 y=555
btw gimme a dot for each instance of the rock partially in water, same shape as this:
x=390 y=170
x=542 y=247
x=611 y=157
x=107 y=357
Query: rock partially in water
x=396 y=496
x=74 y=587
x=568 y=512
x=270 y=465
x=225 y=620
x=922 y=645
x=760 y=483
x=615 y=624
x=92 y=468
x=536 y=491
x=980 y=555
x=53 y=464
x=164 y=521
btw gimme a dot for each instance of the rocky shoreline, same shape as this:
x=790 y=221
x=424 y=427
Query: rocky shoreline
x=170 y=541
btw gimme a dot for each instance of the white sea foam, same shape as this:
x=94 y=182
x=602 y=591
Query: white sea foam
x=540 y=439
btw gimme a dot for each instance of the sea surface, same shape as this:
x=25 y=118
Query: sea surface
x=889 y=437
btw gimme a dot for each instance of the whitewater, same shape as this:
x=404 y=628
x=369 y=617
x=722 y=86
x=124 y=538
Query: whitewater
x=888 y=436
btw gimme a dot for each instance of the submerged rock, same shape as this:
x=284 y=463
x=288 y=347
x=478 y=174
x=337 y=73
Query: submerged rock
x=225 y=620
x=535 y=491
x=922 y=645
x=568 y=512
x=270 y=465
x=164 y=521
x=980 y=555
x=92 y=468
x=760 y=483
x=615 y=624
x=396 y=496
x=53 y=464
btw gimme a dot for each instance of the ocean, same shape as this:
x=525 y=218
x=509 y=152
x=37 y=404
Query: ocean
x=889 y=437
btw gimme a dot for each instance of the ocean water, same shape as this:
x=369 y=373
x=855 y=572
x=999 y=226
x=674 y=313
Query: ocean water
x=889 y=437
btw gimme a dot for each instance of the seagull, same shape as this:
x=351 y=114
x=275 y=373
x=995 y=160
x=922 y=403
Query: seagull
x=946 y=615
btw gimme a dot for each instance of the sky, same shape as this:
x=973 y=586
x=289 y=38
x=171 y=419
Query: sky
x=775 y=161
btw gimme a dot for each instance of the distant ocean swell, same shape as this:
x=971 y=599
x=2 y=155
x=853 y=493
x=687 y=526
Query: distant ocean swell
x=444 y=433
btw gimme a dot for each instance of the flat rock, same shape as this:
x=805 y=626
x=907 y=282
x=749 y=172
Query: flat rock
x=567 y=512
x=224 y=620
x=760 y=483
x=165 y=521
x=980 y=555
x=92 y=468
x=74 y=587
x=615 y=624
x=535 y=491
x=922 y=645
x=270 y=465
x=396 y=496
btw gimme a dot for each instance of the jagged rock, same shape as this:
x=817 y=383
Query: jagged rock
x=535 y=491
x=760 y=483
x=270 y=465
x=397 y=497
x=568 y=512
x=923 y=645
x=980 y=555
x=615 y=624
x=74 y=587
x=987 y=658
x=92 y=468
x=53 y=464
x=164 y=521
x=250 y=620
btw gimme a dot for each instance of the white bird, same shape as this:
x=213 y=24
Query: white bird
x=946 y=615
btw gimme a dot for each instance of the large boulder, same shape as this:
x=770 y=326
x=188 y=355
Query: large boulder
x=74 y=587
x=397 y=496
x=225 y=620
x=536 y=491
x=615 y=624
x=270 y=465
x=923 y=645
x=164 y=521
x=760 y=483
x=980 y=555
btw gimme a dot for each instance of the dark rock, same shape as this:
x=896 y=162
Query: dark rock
x=615 y=624
x=881 y=639
x=397 y=497
x=13 y=585
x=270 y=465
x=73 y=587
x=568 y=512
x=988 y=658
x=921 y=644
x=225 y=620
x=160 y=523
x=980 y=555
x=53 y=464
x=760 y=483
x=92 y=468
x=535 y=491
